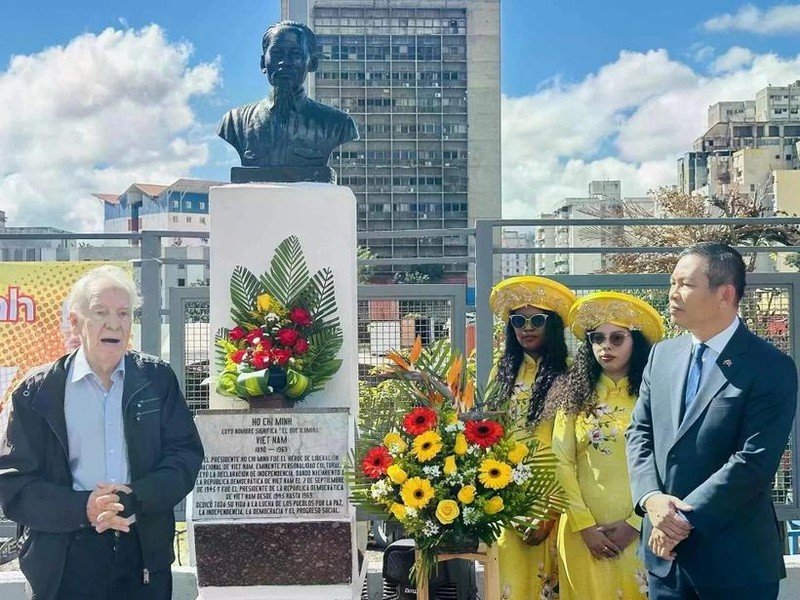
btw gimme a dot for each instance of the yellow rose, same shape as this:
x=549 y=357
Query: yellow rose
x=447 y=511
x=396 y=474
x=394 y=442
x=449 y=465
x=398 y=511
x=519 y=452
x=466 y=495
x=460 y=447
x=493 y=505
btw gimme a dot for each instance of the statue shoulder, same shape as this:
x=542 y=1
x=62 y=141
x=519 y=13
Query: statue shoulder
x=244 y=113
x=236 y=122
x=341 y=120
x=328 y=112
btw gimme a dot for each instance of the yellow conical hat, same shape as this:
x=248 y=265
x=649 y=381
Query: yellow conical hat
x=624 y=310
x=530 y=290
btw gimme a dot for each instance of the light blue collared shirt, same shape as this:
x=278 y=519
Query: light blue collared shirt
x=95 y=429
x=715 y=347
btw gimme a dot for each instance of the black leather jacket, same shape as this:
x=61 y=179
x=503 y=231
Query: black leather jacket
x=164 y=454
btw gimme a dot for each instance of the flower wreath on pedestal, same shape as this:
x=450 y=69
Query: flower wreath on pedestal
x=286 y=335
x=447 y=472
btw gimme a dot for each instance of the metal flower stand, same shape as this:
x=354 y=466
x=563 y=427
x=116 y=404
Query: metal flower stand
x=486 y=555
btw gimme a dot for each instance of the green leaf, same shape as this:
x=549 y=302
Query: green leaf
x=288 y=275
x=244 y=289
x=320 y=298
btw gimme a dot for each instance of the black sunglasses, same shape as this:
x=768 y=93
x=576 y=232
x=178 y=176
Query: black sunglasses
x=537 y=321
x=617 y=338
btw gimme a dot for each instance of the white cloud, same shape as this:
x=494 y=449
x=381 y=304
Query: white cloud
x=630 y=121
x=701 y=52
x=96 y=115
x=778 y=20
x=733 y=59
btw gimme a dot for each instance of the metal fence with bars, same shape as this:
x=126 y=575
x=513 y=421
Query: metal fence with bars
x=391 y=316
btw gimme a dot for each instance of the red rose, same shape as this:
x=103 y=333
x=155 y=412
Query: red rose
x=287 y=337
x=376 y=462
x=300 y=346
x=300 y=316
x=254 y=335
x=419 y=421
x=237 y=356
x=483 y=433
x=261 y=360
x=281 y=356
x=236 y=333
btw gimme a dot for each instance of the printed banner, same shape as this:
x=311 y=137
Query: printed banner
x=34 y=321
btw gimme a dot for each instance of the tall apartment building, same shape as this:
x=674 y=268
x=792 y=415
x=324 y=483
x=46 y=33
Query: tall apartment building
x=516 y=264
x=604 y=200
x=422 y=80
x=769 y=124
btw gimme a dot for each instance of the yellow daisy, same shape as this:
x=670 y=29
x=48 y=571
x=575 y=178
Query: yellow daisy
x=426 y=445
x=416 y=492
x=494 y=474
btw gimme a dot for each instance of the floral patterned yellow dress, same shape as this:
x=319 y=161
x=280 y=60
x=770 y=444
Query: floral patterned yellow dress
x=527 y=572
x=593 y=472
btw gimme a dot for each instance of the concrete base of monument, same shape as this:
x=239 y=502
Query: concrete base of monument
x=273 y=554
x=321 y=592
x=269 y=511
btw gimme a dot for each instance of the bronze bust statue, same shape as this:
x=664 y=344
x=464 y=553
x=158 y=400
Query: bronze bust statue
x=288 y=137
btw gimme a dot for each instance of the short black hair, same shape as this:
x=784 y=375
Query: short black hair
x=724 y=265
x=304 y=31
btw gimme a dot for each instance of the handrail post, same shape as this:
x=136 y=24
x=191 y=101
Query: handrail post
x=151 y=293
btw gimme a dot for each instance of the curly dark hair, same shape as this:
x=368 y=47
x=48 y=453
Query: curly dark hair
x=553 y=362
x=575 y=392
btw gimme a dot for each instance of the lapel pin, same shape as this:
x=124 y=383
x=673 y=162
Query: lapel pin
x=727 y=362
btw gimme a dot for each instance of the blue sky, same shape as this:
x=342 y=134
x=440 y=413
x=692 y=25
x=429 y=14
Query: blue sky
x=102 y=94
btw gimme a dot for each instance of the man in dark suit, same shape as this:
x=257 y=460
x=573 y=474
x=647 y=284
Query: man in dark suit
x=714 y=414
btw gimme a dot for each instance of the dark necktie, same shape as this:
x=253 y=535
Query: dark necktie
x=693 y=380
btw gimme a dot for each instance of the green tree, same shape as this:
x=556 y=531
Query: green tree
x=672 y=203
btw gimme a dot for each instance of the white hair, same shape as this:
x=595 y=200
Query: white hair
x=107 y=277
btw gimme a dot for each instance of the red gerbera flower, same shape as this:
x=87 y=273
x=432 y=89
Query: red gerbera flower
x=419 y=420
x=483 y=433
x=376 y=462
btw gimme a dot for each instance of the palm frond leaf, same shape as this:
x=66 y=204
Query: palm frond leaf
x=320 y=297
x=244 y=290
x=288 y=275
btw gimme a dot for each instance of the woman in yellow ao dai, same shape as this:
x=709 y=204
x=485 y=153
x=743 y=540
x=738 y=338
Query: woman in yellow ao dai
x=598 y=535
x=534 y=309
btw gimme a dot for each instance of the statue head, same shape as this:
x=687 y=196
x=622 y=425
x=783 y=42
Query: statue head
x=289 y=54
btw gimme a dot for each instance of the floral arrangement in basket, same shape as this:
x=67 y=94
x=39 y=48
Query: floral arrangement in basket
x=286 y=335
x=448 y=473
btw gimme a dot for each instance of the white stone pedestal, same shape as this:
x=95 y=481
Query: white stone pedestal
x=248 y=221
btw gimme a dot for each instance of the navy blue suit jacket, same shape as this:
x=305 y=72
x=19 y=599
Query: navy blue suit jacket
x=721 y=458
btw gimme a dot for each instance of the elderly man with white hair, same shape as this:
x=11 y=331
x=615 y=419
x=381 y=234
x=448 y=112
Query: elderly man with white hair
x=99 y=448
